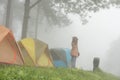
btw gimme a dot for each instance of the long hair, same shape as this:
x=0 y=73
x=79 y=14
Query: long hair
x=74 y=40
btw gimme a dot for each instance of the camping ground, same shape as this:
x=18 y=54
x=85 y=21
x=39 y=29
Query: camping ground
x=13 y=72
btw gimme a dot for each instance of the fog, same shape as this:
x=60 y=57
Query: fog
x=95 y=38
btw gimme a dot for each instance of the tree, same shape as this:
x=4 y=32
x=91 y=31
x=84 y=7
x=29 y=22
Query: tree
x=113 y=63
x=26 y=16
x=56 y=11
x=37 y=21
x=8 y=14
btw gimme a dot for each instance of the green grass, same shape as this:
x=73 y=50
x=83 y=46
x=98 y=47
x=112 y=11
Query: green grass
x=32 y=73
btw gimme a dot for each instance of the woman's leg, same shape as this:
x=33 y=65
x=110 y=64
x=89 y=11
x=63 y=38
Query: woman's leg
x=73 y=61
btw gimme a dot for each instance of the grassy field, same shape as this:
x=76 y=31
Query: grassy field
x=32 y=73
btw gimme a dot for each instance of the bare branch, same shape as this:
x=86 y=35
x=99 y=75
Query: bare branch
x=34 y=4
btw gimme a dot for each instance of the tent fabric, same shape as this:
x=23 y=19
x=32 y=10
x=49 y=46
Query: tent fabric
x=61 y=57
x=3 y=32
x=9 y=50
x=35 y=52
x=68 y=56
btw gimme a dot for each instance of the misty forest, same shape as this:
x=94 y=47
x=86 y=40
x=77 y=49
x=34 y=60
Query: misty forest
x=54 y=22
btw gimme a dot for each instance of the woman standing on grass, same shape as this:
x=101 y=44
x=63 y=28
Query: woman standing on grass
x=74 y=51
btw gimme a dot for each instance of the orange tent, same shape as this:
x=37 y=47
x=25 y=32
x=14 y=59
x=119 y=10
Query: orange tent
x=9 y=50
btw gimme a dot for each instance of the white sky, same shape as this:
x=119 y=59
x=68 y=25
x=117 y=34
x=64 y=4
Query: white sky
x=94 y=38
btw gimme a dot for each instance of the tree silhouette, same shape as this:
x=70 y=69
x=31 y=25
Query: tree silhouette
x=113 y=62
x=56 y=11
